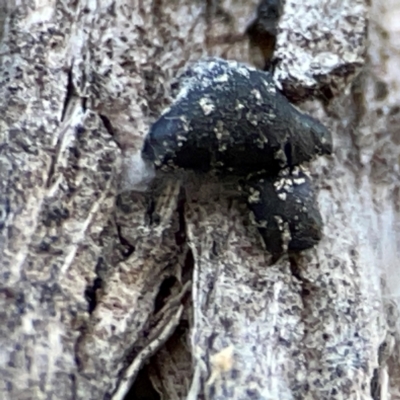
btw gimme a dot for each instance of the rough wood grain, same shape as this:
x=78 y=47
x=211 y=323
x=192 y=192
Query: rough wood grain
x=96 y=283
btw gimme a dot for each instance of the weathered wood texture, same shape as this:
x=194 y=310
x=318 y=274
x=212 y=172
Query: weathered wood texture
x=95 y=283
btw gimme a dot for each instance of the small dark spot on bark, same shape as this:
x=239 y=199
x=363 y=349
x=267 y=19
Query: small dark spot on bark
x=75 y=152
x=252 y=393
x=54 y=213
x=80 y=129
x=381 y=90
x=234 y=373
x=336 y=263
x=44 y=246
x=394 y=110
x=339 y=371
x=284 y=342
x=13 y=90
x=226 y=323
x=90 y=294
x=211 y=391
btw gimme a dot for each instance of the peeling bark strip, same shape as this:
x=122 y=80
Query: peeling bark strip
x=80 y=84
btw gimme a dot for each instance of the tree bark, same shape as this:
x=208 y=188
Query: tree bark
x=111 y=293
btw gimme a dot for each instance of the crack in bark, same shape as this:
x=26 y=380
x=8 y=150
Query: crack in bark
x=68 y=94
x=91 y=291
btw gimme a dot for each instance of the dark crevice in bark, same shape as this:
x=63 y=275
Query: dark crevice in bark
x=142 y=388
x=188 y=267
x=288 y=153
x=149 y=383
x=262 y=32
x=91 y=295
x=166 y=288
x=84 y=103
x=69 y=93
x=307 y=288
x=151 y=217
x=107 y=125
x=180 y=234
x=294 y=267
x=164 y=292
x=181 y=240
x=375 y=386
x=74 y=387
x=326 y=95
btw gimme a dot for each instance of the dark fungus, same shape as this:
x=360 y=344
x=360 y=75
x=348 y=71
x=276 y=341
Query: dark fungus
x=285 y=210
x=231 y=118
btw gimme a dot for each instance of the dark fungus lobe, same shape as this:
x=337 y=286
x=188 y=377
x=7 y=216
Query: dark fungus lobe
x=285 y=211
x=232 y=118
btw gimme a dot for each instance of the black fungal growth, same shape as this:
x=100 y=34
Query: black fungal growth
x=231 y=118
x=285 y=210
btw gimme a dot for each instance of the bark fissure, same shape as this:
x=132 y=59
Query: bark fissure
x=69 y=92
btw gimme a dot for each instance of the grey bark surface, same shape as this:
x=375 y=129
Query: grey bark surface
x=101 y=284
